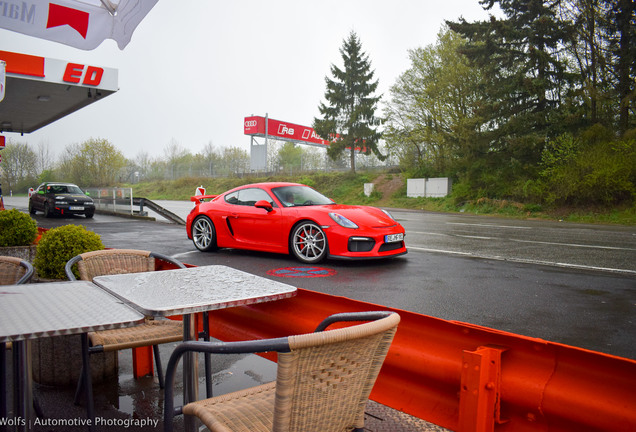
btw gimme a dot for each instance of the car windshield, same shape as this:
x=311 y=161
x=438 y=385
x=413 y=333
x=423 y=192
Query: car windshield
x=65 y=189
x=294 y=196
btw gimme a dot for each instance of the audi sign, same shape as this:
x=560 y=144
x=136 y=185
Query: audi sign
x=254 y=126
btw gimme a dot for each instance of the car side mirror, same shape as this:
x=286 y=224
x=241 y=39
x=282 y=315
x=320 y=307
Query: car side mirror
x=264 y=205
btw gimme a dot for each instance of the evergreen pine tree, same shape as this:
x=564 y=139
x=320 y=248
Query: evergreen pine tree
x=621 y=34
x=349 y=113
x=524 y=78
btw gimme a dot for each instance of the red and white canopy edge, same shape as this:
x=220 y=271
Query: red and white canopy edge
x=3 y=80
x=83 y=24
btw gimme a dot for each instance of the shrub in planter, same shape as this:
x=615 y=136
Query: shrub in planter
x=59 y=245
x=16 y=228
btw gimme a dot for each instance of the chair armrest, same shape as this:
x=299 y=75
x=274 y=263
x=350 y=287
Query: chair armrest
x=68 y=268
x=28 y=274
x=240 y=347
x=168 y=259
x=352 y=316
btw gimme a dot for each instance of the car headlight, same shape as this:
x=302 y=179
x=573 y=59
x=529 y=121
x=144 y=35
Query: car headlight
x=342 y=221
x=388 y=214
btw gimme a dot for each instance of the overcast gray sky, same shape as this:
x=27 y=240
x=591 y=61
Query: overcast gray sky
x=195 y=69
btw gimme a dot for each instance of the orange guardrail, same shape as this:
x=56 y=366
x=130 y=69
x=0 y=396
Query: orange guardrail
x=465 y=377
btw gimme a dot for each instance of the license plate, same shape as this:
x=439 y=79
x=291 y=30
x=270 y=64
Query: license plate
x=76 y=208
x=392 y=238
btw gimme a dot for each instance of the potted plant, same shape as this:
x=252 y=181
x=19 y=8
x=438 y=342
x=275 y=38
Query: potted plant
x=58 y=245
x=57 y=360
x=18 y=235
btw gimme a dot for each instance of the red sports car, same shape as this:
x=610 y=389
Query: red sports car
x=292 y=218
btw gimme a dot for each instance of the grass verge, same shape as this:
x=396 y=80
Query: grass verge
x=390 y=191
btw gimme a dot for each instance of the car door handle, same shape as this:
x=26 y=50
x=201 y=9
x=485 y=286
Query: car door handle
x=234 y=215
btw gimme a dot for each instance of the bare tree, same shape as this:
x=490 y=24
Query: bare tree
x=18 y=166
x=45 y=160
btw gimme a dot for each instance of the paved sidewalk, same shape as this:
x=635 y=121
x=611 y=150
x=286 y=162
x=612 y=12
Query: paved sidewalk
x=124 y=403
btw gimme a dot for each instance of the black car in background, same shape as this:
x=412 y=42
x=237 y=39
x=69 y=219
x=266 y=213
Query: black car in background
x=62 y=199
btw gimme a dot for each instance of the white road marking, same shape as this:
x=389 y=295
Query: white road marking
x=522 y=260
x=525 y=241
x=573 y=245
x=489 y=225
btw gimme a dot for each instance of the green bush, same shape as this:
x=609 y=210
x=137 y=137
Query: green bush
x=592 y=169
x=17 y=228
x=59 y=245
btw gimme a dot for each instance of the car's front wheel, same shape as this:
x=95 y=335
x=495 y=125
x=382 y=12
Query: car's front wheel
x=203 y=234
x=31 y=209
x=47 y=210
x=309 y=243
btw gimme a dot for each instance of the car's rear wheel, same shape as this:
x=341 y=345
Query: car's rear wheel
x=309 y=243
x=204 y=234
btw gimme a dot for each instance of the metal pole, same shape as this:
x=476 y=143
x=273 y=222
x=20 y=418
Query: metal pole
x=190 y=369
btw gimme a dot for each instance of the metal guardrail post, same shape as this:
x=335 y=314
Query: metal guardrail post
x=479 y=391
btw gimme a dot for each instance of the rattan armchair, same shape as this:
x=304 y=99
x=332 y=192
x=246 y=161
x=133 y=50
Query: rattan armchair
x=14 y=271
x=323 y=379
x=150 y=333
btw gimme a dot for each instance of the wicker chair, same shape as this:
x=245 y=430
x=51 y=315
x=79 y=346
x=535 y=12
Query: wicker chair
x=14 y=271
x=150 y=333
x=323 y=380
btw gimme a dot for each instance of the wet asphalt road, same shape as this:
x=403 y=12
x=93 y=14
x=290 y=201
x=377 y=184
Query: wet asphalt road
x=568 y=283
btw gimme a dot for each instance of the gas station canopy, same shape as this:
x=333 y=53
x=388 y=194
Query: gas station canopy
x=39 y=90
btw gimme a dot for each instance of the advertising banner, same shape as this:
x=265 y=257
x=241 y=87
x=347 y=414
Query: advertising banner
x=281 y=130
x=59 y=71
x=76 y=23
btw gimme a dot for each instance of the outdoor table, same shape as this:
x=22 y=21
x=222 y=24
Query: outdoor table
x=189 y=291
x=33 y=311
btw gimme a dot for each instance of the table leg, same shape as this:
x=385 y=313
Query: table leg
x=190 y=372
x=207 y=356
x=88 y=384
x=3 y=384
x=22 y=385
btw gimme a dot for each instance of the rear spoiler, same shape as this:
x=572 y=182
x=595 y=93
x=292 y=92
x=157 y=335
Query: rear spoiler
x=200 y=198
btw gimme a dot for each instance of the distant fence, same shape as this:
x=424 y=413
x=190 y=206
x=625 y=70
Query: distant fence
x=120 y=201
x=113 y=200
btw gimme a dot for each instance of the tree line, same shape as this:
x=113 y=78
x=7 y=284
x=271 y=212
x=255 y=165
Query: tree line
x=98 y=163
x=536 y=105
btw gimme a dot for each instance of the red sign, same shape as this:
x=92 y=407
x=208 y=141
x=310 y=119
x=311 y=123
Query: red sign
x=255 y=125
x=62 y=15
x=2 y=141
x=74 y=73
x=23 y=64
